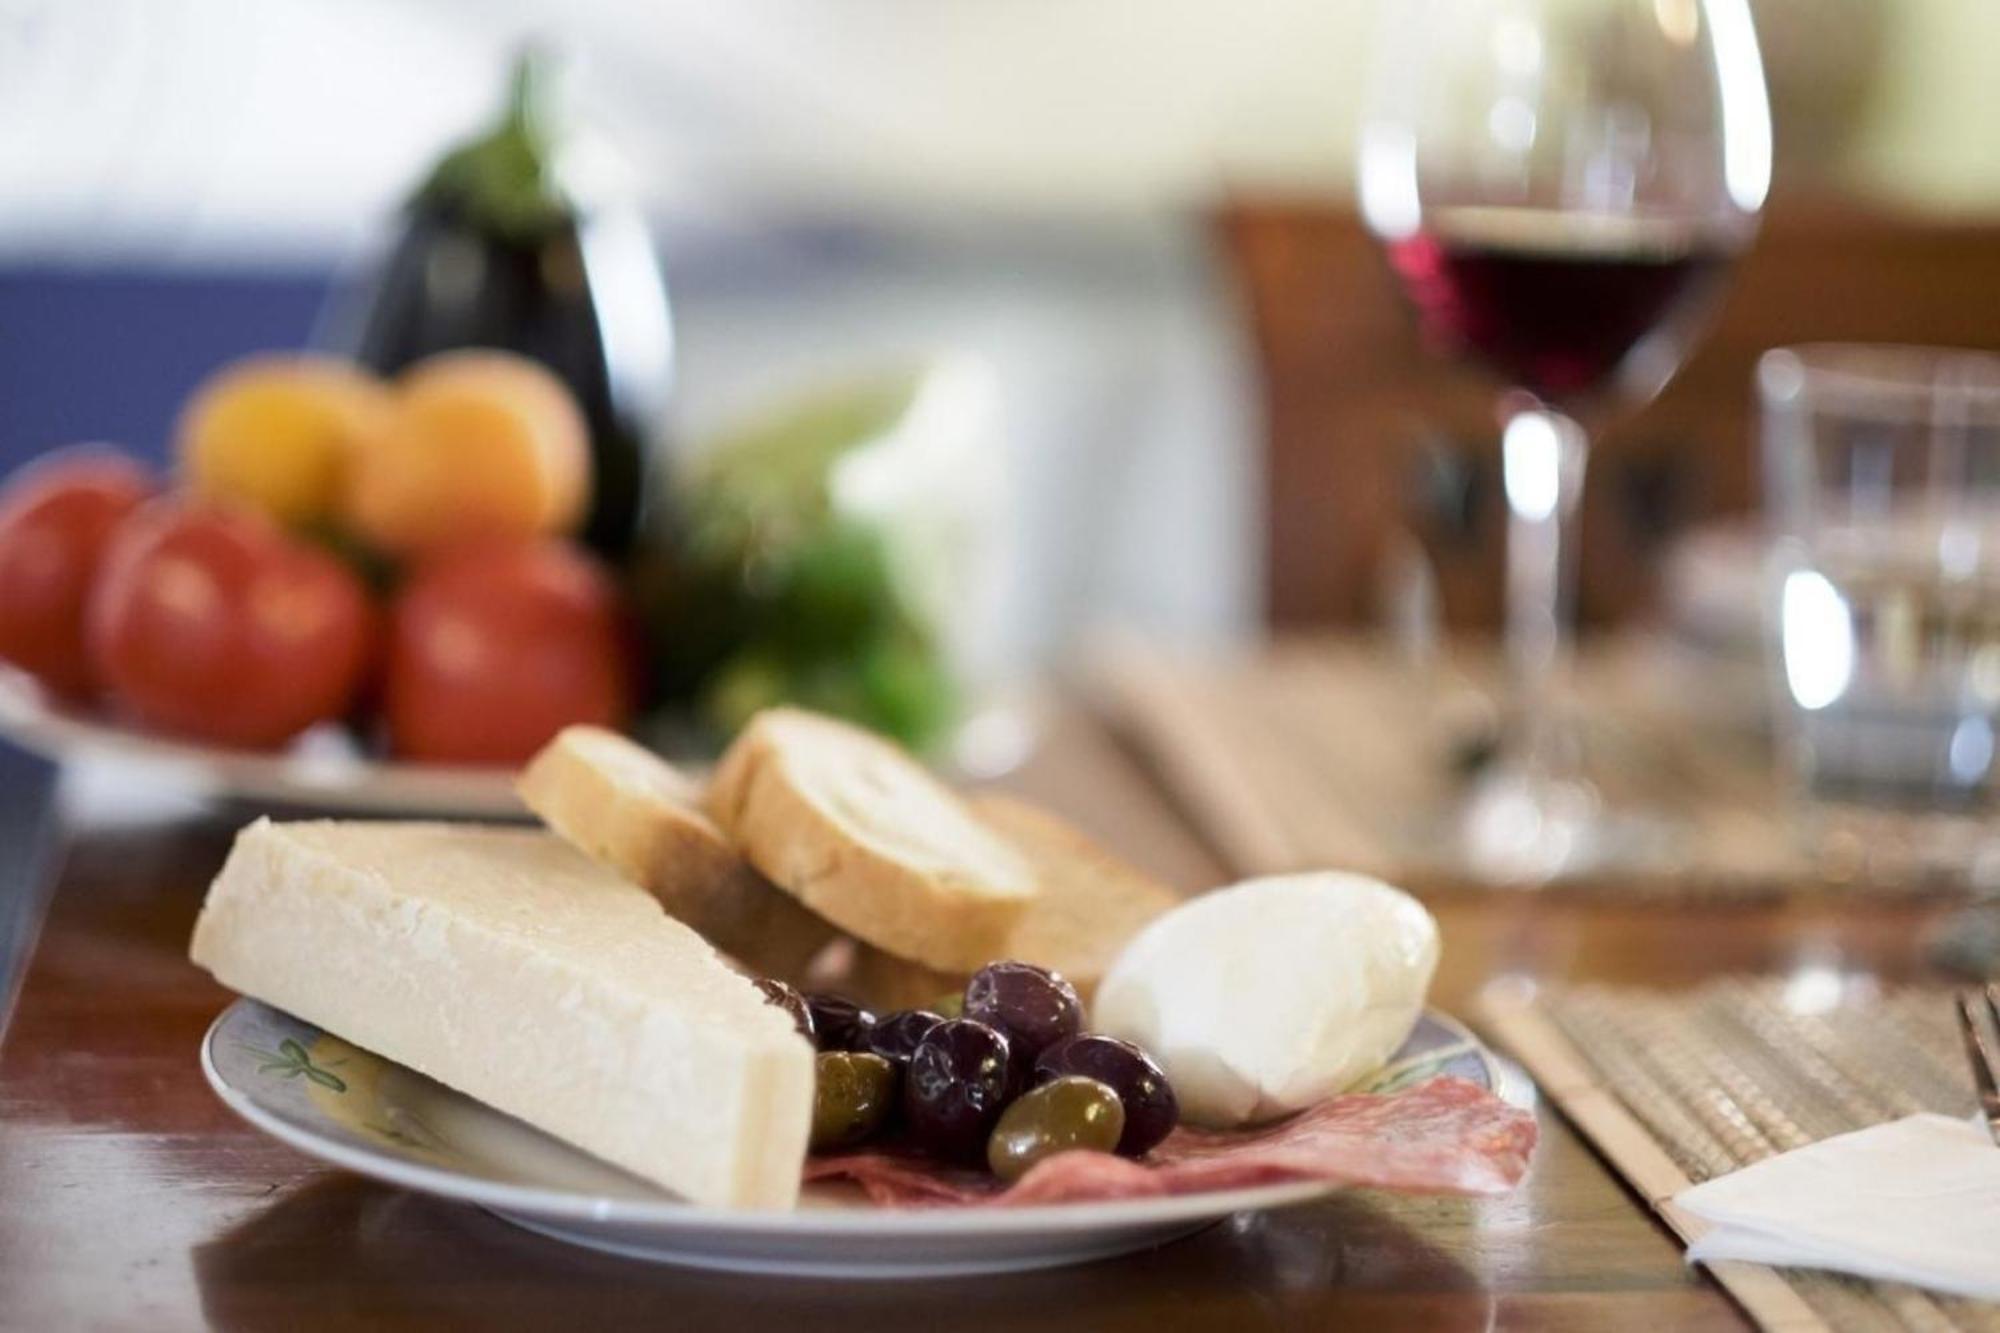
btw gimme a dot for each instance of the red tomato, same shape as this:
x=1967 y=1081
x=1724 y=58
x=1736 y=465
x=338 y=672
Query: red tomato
x=493 y=649
x=214 y=624
x=56 y=515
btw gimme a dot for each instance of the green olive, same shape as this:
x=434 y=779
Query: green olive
x=951 y=1004
x=1071 y=1112
x=853 y=1092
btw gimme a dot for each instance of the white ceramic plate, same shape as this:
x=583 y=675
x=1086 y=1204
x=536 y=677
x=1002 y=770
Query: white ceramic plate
x=356 y=1110
x=324 y=770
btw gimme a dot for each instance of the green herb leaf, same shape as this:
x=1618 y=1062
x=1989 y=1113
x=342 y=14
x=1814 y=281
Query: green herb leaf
x=331 y=1082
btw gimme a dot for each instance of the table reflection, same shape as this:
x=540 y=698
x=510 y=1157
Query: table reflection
x=348 y=1247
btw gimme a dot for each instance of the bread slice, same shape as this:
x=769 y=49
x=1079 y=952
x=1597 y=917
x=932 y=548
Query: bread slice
x=1091 y=904
x=863 y=835
x=506 y=964
x=623 y=805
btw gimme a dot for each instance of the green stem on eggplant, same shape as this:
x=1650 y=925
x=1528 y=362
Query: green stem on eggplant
x=504 y=180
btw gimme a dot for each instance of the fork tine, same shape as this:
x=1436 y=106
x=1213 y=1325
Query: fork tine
x=1980 y=1053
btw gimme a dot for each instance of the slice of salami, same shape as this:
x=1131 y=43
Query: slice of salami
x=893 y=1179
x=1447 y=1136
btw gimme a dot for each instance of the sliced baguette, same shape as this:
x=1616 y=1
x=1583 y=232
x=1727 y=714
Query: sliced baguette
x=1091 y=903
x=863 y=835
x=627 y=808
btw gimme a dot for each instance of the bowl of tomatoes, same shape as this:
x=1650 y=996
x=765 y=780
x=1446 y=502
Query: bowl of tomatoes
x=372 y=593
x=349 y=592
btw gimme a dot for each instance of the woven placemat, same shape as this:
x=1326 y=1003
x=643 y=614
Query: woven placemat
x=1674 y=1087
x=1335 y=752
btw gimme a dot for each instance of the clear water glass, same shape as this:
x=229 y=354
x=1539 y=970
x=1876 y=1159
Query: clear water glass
x=1883 y=480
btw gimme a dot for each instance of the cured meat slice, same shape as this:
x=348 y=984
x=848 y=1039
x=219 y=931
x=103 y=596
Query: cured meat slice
x=893 y=1179
x=1447 y=1136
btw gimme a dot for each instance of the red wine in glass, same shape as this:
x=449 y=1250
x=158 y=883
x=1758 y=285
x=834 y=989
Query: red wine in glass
x=1559 y=185
x=1556 y=303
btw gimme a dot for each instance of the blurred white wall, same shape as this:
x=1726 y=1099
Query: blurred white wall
x=1932 y=137
x=282 y=124
x=277 y=125
x=231 y=129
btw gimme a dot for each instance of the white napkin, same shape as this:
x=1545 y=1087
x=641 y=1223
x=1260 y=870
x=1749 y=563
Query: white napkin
x=1916 y=1200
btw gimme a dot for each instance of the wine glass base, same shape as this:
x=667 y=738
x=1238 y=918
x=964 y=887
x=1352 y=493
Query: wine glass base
x=1523 y=830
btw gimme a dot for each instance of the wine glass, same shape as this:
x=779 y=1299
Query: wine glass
x=1559 y=186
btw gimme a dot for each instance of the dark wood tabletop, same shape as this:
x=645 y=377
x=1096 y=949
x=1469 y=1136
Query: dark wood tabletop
x=131 y=1199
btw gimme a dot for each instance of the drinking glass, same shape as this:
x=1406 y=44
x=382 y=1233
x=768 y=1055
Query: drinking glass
x=1882 y=478
x=1559 y=185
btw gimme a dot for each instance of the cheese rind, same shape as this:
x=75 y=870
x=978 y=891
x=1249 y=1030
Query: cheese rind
x=509 y=966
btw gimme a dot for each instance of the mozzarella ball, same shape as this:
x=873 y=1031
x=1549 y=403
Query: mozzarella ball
x=1265 y=997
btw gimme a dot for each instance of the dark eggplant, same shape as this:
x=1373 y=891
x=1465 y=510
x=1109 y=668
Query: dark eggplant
x=494 y=252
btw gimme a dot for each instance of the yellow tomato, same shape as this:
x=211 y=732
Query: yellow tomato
x=480 y=445
x=277 y=433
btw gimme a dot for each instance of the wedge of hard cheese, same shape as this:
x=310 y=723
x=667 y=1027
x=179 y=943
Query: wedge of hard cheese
x=1091 y=904
x=859 y=832
x=612 y=798
x=508 y=965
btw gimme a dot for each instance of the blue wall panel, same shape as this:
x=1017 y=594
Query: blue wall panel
x=109 y=354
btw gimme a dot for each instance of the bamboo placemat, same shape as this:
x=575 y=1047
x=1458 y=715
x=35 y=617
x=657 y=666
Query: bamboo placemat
x=1674 y=1087
x=1335 y=753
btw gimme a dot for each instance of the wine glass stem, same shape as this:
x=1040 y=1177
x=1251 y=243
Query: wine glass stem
x=1542 y=462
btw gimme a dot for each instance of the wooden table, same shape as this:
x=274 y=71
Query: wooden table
x=129 y=1198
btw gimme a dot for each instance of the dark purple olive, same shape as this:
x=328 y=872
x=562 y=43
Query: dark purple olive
x=894 y=1037
x=788 y=999
x=1033 y=1006
x=955 y=1089
x=1151 y=1110
x=838 y=1022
